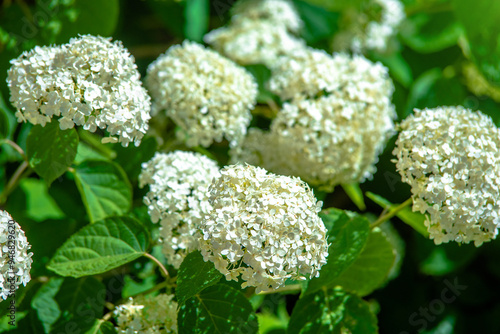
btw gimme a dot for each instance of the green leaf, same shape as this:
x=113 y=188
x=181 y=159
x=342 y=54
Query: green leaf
x=50 y=150
x=7 y=119
x=318 y=23
x=332 y=311
x=85 y=152
x=414 y=219
x=440 y=260
x=131 y=158
x=398 y=67
x=269 y=322
x=261 y=74
x=132 y=288
x=426 y=33
x=197 y=13
x=195 y=275
x=67 y=197
x=4 y=122
x=484 y=38
x=371 y=268
x=421 y=89
x=100 y=247
x=433 y=88
x=102 y=327
x=92 y=17
x=398 y=246
x=45 y=305
x=217 y=309
x=82 y=301
x=104 y=188
x=446 y=326
x=39 y=205
x=347 y=236
x=354 y=192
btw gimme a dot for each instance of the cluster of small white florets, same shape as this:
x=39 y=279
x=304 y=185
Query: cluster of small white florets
x=90 y=82
x=359 y=30
x=15 y=261
x=259 y=32
x=178 y=198
x=450 y=156
x=306 y=74
x=336 y=124
x=207 y=95
x=281 y=11
x=147 y=315
x=264 y=227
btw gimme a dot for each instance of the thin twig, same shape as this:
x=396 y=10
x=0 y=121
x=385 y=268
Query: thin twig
x=162 y=267
x=391 y=213
x=14 y=180
x=15 y=147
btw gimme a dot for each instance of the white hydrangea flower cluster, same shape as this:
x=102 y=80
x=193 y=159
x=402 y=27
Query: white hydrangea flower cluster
x=207 y=95
x=307 y=73
x=259 y=32
x=264 y=227
x=89 y=82
x=361 y=32
x=281 y=11
x=147 y=315
x=15 y=260
x=336 y=124
x=178 y=198
x=450 y=156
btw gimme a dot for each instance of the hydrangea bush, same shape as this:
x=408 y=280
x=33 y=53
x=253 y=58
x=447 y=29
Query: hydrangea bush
x=298 y=166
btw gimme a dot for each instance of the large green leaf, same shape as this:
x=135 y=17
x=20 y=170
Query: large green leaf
x=82 y=302
x=194 y=276
x=217 y=309
x=104 y=187
x=77 y=302
x=45 y=305
x=100 y=247
x=414 y=219
x=347 y=236
x=50 y=150
x=332 y=311
x=371 y=268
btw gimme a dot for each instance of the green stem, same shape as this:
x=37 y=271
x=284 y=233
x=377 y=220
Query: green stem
x=14 y=146
x=287 y=288
x=391 y=213
x=162 y=267
x=14 y=180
